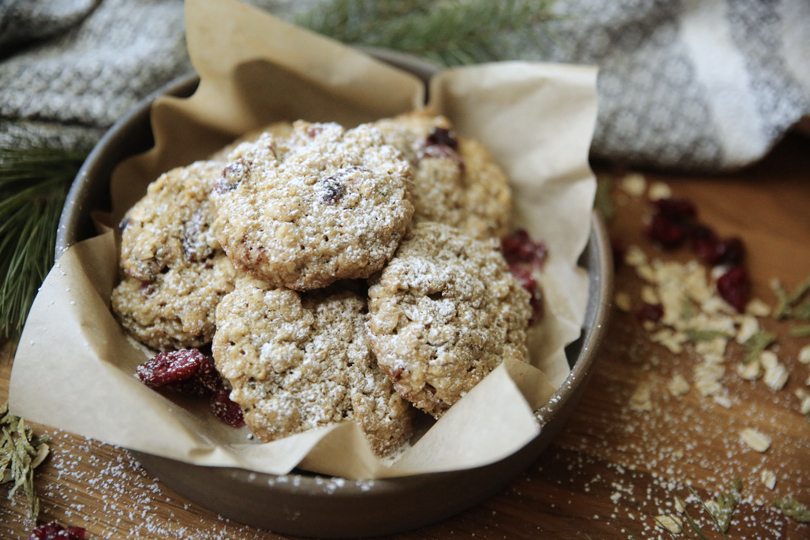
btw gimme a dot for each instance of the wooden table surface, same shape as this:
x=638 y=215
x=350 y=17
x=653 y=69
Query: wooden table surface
x=612 y=469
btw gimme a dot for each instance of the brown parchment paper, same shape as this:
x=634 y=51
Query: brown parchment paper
x=74 y=366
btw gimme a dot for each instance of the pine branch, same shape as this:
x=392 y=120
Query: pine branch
x=33 y=185
x=451 y=32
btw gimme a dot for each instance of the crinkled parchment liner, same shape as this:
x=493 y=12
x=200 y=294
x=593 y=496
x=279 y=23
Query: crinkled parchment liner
x=74 y=365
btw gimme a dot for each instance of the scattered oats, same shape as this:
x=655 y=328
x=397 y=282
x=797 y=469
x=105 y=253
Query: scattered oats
x=769 y=359
x=678 y=386
x=669 y=339
x=775 y=377
x=750 y=371
x=640 y=400
x=623 y=301
x=659 y=190
x=755 y=440
x=758 y=308
x=680 y=505
x=633 y=184
x=804 y=355
x=707 y=377
x=748 y=328
x=722 y=400
x=715 y=304
x=648 y=295
x=671 y=523
x=635 y=256
x=677 y=454
x=712 y=349
x=805 y=406
x=646 y=273
x=768 y=478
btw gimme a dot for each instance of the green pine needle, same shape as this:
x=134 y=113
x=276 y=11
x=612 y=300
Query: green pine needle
x=33 y=185
x=451 y=32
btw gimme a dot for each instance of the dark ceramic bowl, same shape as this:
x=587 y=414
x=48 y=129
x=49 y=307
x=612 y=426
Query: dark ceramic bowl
x=301 y=503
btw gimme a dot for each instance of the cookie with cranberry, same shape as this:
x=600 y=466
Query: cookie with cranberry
x=456 y=181
x=176 y=273
x=444 y=313
x=322 y=205
x=172 y=223
x=177 y=309
x=302 y=361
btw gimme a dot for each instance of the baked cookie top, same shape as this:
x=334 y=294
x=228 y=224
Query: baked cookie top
x=171 y=224
x=303 y=361
x=177 y=309
x=322 y=205
x=444 y=313
x=456 y=181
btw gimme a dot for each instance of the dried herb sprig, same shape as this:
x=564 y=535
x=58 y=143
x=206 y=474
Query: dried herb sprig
x=785 y=303
x=33 y=186
x=451 y=32
x=756 y=344
x=800 y=331
x=793 y=509
x=20 y=453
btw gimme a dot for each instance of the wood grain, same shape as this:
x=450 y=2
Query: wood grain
x=612 y=469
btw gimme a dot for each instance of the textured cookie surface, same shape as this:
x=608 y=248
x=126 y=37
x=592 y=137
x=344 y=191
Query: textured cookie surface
x=444 y=313
x=456 y=181
x=177 y=309
x=176 y=273
x=321 y=205
x=302 y=361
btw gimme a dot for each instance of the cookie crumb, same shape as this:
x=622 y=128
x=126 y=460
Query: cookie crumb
x=659 y=190
x=622 y=301
x=678 y=386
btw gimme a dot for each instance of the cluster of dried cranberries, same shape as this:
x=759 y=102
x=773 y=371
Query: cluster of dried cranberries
x=54 y=531
x=522 y=253
x=675 y=221
x=189 y=371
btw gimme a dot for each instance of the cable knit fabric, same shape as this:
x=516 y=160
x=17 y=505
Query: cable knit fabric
x=689 y=84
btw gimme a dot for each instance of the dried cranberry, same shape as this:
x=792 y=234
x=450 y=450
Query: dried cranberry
x=195 y=246
x=650 y=312
x=735 y=287
x=704 y=241
x=54 y=531
x=524 y=277
x=332 y=190
x=668 y=232
x=171 y=367
x=442 y=137
x=442 y=152
x=205 y=381
x=519 y=247
x=124 y=223
x=225 y=409
x=233 y=175
x=730 y=251
x=682 y=209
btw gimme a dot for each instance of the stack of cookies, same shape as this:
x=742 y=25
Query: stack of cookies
x=340 y=274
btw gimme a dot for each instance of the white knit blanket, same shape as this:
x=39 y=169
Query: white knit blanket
x=688 y=84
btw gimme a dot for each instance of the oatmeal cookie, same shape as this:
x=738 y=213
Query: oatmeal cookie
x=444 y=313
x=456 y=181
x=322 y=205
x=303 y=361
x=176 y=310
x=172 y=223
x=176 y=273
